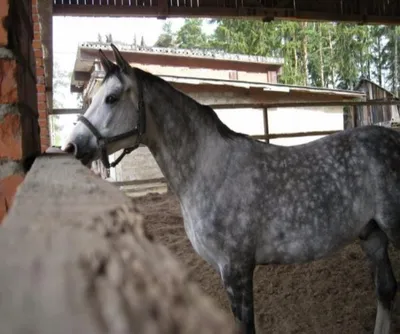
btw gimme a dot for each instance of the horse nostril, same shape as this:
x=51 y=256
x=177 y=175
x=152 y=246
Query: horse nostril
x=71 y=148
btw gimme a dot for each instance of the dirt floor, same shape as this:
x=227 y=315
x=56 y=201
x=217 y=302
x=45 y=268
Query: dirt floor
x=334 y=295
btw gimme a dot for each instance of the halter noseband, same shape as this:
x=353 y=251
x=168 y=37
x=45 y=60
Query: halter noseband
x=102 y=141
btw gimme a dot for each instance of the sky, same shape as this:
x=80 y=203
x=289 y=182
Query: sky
x=69 y=32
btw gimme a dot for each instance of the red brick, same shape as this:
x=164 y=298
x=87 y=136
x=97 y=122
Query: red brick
x=10 y=136
x=34 y=3
x=8 y=188
x=42 y=114
x=37 y=36
x=41 y=88
x=45 y=143
x=8 y=82
x=43 y=123
x=36 y=26
x=39 y=62
x=37 y=44
x=41 y=97
x=44 y=131
x=38 y=53
x=34 y=9
x=42 y=106
x=39 y=71
x=3 y=14
x=40 y=80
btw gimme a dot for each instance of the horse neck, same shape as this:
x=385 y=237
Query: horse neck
x=178 y=134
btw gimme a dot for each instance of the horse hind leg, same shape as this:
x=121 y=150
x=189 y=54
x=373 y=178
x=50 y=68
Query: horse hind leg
x=374 y=243
x=238 y=283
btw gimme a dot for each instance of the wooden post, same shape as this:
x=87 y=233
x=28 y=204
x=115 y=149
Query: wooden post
x=266 y=126
x=354 y=116
x=75 y=257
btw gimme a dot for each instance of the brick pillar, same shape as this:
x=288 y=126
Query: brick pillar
x=38 y=49
x=19 y=130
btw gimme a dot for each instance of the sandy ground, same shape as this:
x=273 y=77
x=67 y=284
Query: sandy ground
x=334 y=295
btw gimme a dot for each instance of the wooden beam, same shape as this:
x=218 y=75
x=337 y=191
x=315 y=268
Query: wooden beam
x=138 y=182
x=303 y=104
x=75 y=257
x=266 y=126
x=63 y=111
x=295 y=134
x=82 y=76
x=240 y=12
x=163 y=9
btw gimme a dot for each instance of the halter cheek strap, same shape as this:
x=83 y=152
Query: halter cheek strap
x=102 y=141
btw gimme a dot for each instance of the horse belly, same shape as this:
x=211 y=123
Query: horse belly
x=206 y=248
x=301 y=245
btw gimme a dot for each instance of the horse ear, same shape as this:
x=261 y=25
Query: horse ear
x=105 y=62
x=121 y=62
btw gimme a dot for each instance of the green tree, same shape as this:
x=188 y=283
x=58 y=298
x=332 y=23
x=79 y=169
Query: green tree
x=191 y=35
x=392 y=57
x=167 y=37
x=334 y=55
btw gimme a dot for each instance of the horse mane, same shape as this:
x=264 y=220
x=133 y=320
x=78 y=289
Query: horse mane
x=206 y=110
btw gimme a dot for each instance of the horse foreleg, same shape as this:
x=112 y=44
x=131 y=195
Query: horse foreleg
x=238 y=283
x=375 y=245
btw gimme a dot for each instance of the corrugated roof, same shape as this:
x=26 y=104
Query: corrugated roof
x=202 y=53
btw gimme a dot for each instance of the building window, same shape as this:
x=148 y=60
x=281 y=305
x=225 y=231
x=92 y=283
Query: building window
x=233 y=75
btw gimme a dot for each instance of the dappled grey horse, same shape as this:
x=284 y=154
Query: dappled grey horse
x=245 y=202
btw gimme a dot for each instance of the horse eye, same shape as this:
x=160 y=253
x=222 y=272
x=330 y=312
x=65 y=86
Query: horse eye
x=110 y=99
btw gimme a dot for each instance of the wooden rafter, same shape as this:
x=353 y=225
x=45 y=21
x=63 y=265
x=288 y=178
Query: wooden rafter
x=371 y=11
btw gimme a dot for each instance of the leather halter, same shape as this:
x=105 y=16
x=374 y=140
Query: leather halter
x=102 y=141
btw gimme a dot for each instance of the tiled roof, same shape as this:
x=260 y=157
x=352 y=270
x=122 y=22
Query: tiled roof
x=203 y=53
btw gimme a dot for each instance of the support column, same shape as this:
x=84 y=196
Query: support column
x=42 y=15
x=266 y=126
x=19 y=129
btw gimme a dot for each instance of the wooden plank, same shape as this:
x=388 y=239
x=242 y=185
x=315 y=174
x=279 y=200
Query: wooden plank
x=63 y=111
x=295 y=134
x=138 y=182
x=303 y=104
x=75 y=258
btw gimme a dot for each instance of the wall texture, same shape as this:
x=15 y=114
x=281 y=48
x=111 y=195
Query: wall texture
x=139 y=165
x=40 y=85
x=19 y=130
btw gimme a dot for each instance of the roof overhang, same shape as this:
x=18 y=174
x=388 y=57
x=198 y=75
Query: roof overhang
x=87 y=56
x=230 y=94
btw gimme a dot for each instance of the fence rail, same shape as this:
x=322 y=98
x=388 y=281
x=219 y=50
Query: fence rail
x=135 y=188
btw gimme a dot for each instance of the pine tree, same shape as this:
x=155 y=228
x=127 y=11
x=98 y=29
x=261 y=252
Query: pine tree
x=190 y=35
x=167 y=37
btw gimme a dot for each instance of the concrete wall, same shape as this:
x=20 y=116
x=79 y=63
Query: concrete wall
x=303 y=119
x=204 y=73
x=141 y=165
